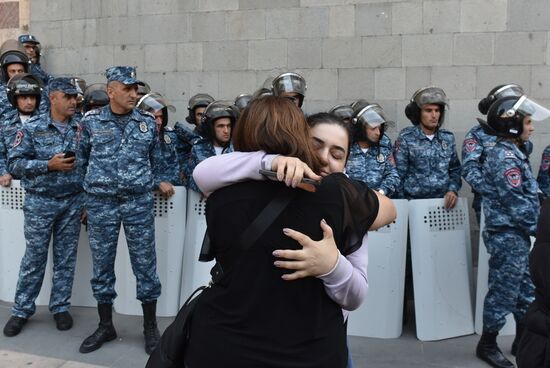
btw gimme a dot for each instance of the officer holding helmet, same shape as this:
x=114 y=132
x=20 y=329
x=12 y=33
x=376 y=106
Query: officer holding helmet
x=120 y=152
x=95 y=96
x=371 y=157
x=291 y=86
x=33 y=51
x=24 y=93
x=13 y=60
x=159 y=107
x=215 y=130
x=42 y=154
x=425 y=154
x=477 y=143
x=511 y=208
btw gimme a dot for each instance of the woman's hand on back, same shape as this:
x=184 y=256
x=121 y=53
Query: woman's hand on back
x=292 y=170
x=316 y=258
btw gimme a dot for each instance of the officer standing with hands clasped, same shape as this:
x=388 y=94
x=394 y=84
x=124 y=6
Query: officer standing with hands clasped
x=119 y=150
x=511 y=209
x=43 y=155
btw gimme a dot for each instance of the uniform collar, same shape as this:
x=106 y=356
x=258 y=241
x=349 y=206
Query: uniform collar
x=70 y=124
x=420 y=133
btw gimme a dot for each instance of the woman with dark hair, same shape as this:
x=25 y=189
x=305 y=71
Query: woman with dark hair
x=253 y=318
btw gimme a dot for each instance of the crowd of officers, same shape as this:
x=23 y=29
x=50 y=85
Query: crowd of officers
x=95 y=153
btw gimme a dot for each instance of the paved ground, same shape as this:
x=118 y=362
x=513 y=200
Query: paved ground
x=41 y=345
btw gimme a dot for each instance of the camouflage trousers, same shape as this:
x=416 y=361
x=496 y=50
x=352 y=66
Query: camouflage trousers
x=510 y=287
x=44 y=217
x=135 y=213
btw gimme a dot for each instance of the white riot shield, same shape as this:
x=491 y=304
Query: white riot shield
x=381 y=315
x=195 y=273
x=12 y=245
x=169 y=234
x=482 y=287
x=442 y=294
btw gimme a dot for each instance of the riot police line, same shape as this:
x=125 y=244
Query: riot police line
x=421 y=167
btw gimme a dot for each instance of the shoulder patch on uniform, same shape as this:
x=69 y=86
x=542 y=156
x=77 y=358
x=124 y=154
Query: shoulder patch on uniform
x=92 y=112
x=545 y=163
x=18 y=138
x=509 y=154
x=167 y=139
x=396 y=145
x=470 y=144
x=513 y=176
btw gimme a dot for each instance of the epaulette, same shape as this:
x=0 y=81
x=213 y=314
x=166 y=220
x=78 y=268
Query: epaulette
x=407 y=130
x=92 y=112
x=445 y=131
x=510 y=154
x=168 y=129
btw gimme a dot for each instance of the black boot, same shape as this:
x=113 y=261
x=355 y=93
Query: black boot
x=519 y=332
x=105 y=332
x=150 y=329
x=14 y=326
x=488 y=351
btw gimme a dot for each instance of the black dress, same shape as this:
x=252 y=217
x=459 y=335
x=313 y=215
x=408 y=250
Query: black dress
x=253 y=318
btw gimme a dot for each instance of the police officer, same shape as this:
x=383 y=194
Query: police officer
x=187 y=137
x=13 y=60
x=24 y=93
x=34 y=52
x=95 y=96
x=477 y=143
x=290 y=85
x=371 y=157
x=215 y=130
x=511 y=207
x=425 y=154
x=43 y=155
x=157 y=105
x=343 y=112
x=119 y=150
x=543 y=177
x=242 y=101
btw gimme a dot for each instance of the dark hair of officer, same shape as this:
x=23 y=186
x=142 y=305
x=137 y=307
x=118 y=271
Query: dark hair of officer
x=499 y=91
x=275 y=125
x=328 y=118
x=24 y=84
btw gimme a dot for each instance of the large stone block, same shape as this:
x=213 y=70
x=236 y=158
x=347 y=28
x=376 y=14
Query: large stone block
x=267 y=54
x=297 y=23
x=529 y=15
x=82 y=9
x=245 y=25
x=458 y=82
x=389 y=84
x=51 y=10
x=483 y=15
x=322 y=84
x=79 y=32
x=55 y=60
x=306 y=3
x=133 y=55
x=204 y=82
x=521 y=48
x=354 y=84
x=441 y=16
x=304 y=53
x=417 y=78
x=208 y=26
x=540 y=82
x=473 y=49
x=382 y=51
x=342 y=21
x=342 y=52
x=406 y=17
x=114 y=8
x=160 y=58
x=164 y=28
x=177 y=87
x=95 y=59
x=119 y=30
x=189 y=56
x=49 y=33
x=461 y=117
x=156 y=80
x=489 y=77
x=233 y=84
x=227 y=55
x=216 y=5
x=373 y=19
x=268 y=4
x=149 y=7
x=311 y=107
x=427 y=50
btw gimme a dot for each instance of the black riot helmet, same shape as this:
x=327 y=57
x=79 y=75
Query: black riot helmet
x=242 y=101
x=290 y=83
x=426 y=96
x=153 y=102
x=505 y=116
x=198 y=100
x=95 y=96
x=24 y=84
x=343 y=112
x=12 y=52
x=499 y=92
x=80 y=85
x=214 y=111
x=369 y=115
x=142 y=89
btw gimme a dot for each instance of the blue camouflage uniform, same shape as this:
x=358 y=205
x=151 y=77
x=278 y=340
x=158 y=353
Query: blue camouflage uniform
x=8 y=129
x=543 y=177
x=186 y=140
x=168 y=148
x=122 y=158
x=53 y=204
x=511 y=207
x=427 y=168
x=202 y=149
x=6 y=108
x=376 y=167
x=37 y=71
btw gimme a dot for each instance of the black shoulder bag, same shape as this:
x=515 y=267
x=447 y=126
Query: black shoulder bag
x=170 y=351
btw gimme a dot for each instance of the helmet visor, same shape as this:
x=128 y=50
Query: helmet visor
x=289 y=82
x=154 y=102
x=528 y=107
x=430 y=95
x=508 y=90
x=373 y=116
